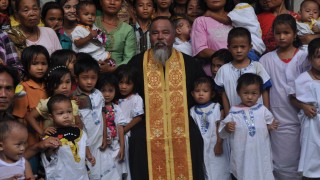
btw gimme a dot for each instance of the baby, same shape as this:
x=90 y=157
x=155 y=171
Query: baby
x=309 y=24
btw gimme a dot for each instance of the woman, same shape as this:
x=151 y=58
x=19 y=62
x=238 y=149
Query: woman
x=27 y=33
x=121 y=40
x=271 y=9
x=208 y=35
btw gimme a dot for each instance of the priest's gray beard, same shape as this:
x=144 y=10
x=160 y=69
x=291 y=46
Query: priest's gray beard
x=161 y=53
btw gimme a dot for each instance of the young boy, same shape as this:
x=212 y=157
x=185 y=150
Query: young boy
x=239 y=44
x=91 y=110
x=183 y=30
x=309 y=24
x=143 y=10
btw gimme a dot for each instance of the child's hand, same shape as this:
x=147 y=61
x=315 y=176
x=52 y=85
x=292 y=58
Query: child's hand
x=93 y=33
x=121 y=154
x=274 y=125
x=76 y=99
x=309 y=110
x=218 y=149
x=103 y=145
x=15 y=177
x=49 y=131
x=315 y=28
x=231 y=127
x=91 y=159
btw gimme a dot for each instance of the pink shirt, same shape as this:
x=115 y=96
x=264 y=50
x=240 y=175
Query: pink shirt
x=48 y=38
x=208 y=33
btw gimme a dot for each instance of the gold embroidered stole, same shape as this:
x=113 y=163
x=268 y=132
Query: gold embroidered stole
x=167 y=120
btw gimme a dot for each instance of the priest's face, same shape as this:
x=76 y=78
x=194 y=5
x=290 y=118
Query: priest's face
x=162 y=38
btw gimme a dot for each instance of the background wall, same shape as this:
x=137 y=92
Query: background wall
x=296 y=5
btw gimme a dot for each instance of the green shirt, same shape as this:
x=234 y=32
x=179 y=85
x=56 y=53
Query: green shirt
x=121 y=41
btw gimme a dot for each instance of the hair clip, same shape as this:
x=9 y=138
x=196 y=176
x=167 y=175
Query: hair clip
x=55 y=68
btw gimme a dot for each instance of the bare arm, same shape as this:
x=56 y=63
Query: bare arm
x=90 y=157
x=307 y=38
x=51 y=142
x=83 y=41
x=28 y=171
x=309 y=110
x=133 y=122
x=104 y=135
x=224 y=19
x=205 y=54
x=31 y=118
x=225 y=103
x=78 y=122
x=265 y=98
x=121 y=139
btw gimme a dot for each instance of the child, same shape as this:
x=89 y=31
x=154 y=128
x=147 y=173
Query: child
x=108 y=85
x=307 y=89
x=13 y=138
x=68 y=161
x=52 y=16
x=143 y=10
x=87 y=37
x=239 y=45
x=207 y=115
x=218 y=59
x=309 y=12
x=58 y=81
x=183 y=30
x=243 y=15
x=163 y=8
x=247 y=127
x=65 y=57
x=130 y=103
x=284 y=65
x=4 y=15
x=91 y=108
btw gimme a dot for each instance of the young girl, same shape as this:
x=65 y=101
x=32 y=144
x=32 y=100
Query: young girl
x=284 y=65
x=13 y=138
x=58 y=81
x=65 y=57
x=52 y=16
x=163 y=8
x=87 y=37
x=68 y=161
x=130 y=103
x=207 y=115
x=307 y=88
x=108 y=85
x=247 y=126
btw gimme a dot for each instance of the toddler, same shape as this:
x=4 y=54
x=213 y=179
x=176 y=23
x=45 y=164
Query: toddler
x=308 y=24
x=207 y=115
x=68 y=161
x=13 y=139
x=87 y=37
x=247 y=126
x=183 y=30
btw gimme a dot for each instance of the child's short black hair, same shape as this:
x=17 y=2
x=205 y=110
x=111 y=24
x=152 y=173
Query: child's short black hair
x=203 y=80
x=222 y=54
x=239 y=32
x=82 y=4
x=176 y=19
x=56 y=99
x=29 y=53
x=61 y=57
x=288 y=20
x=84 y=63
x=53 y=78
x=249 y=79
x=48 y=6
x=129 y=73
x=6 y=127
x=313 y=48
x=108 y=79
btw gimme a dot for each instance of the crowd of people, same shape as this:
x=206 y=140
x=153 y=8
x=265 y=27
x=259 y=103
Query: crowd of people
x=142 y=89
